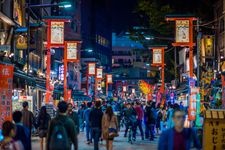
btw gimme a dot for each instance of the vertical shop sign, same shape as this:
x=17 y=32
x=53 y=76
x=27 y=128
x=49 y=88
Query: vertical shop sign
x=6 y=83
x=214 y=130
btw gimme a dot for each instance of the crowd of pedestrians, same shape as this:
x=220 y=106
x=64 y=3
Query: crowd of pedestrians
x=101 y=120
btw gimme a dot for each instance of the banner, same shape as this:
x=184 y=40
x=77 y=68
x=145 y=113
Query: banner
x=6 y=83
x=157 y=56
x=71 y=51
x=21 y=42
x=99 y=73
x=207 y=46
x=109 y=79
x=91 y=68
x=192 y=103
x=182 y=31
x=57 y=33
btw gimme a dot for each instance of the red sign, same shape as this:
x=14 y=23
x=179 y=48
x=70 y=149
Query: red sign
x=6 y=83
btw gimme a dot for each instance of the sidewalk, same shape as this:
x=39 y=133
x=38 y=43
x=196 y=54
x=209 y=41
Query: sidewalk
x=120 y=143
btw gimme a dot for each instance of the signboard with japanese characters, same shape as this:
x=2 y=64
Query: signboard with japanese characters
x=182 y=31
x=192 y=103
x=71 y=52
x=91 y=68
x=214 y=130
x=99 y=73
x=157 y=56
x=57 y=33
x=109 y=79
x=6 y=83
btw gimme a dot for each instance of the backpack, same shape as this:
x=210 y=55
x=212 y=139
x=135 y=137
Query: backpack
x=59 y=138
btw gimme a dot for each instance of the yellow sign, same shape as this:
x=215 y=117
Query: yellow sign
x=214 y=130
x=21 y=42
x=182 y=31
x=71 y=51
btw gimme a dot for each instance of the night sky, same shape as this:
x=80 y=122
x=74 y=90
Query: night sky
x=124 y=17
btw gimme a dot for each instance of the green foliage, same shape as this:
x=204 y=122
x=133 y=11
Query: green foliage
x=155 y=15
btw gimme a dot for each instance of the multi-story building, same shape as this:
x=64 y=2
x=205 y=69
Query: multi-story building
x=96 y=32
x=130 y=62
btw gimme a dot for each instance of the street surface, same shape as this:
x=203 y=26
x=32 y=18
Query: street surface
x=120 y=143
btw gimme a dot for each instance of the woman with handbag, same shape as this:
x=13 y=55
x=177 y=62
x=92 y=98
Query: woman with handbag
x=109 y=127
x=43 y=122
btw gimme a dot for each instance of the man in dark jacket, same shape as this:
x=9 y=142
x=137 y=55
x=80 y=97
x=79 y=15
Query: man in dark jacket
x=178 y=138
x=87 y=123
x=95 y=120
x=68 y=124
x=74 y=116
x=28 y=117
x=150 y=120
x=22 y=132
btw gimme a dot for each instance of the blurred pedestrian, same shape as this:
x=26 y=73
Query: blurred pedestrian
x=87 y=123
x=22 y=132
x=81 y=116
x=62 y=130
x=110 y=127
x=178 y=137
x=130 y=117
x=150 y=115
x=74 y=116
x=9 y=132
x=95 y=120
x=42 y=123
x=140 y=115
x=28 y=117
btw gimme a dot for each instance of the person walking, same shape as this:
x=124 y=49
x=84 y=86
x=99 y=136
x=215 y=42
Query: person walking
x=140 y=115
x=95 y=120
x=150 y=116
x=62 y=130
x=74 y=116
x=178 y=137
x=87 y=123
x=110 y=127
x=130 y=117
x=22 y=132
x=9 y=132
x=28 y=117
x=81 y=116
x=42 y=124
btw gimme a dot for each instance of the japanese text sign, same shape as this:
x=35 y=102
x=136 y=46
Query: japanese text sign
x=71 y=51
x=57 y=32
x=182 y=31
x=91 y=68
x=6 y=83
x=214 y=130
x=157 y=56
x=99 y=73
x=109 y=79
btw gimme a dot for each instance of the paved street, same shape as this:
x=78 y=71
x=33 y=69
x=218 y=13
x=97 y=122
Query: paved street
x=119 y=144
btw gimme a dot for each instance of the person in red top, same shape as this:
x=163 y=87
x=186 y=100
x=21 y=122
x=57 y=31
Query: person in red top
x=140 y=115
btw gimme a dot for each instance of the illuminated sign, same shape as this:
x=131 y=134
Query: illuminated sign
x=109 y=79
x=91 y=68
x=182 y=31
x=57 y=32
x=61 y=72
x=157 y=56
x=99 y=73
x=71 y=50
